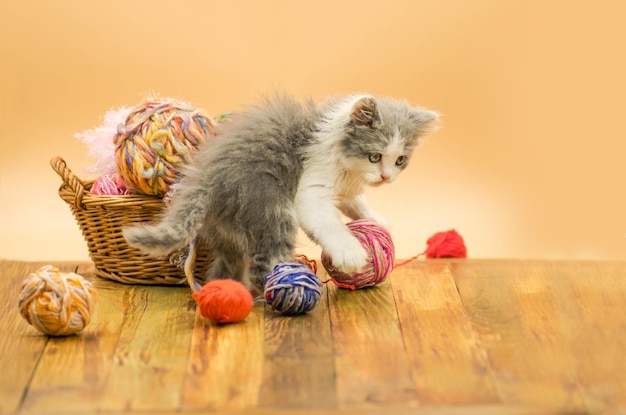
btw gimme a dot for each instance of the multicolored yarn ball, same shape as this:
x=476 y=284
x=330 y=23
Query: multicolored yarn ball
x=292 y=288
x=56 y=303
x=224 y=301
x=378 y=243
x=109 y=185
x=156 y=141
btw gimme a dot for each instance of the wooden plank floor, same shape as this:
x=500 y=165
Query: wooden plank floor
x=438 y=337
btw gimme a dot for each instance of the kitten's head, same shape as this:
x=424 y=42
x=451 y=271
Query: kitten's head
x=379 y=136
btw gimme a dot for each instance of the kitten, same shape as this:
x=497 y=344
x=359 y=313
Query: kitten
x=281 y=165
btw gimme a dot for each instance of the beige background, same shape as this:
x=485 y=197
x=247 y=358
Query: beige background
x=530 y=162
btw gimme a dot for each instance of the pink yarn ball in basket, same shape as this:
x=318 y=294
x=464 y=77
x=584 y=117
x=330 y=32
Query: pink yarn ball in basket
x=110 y=185
x=378 y=243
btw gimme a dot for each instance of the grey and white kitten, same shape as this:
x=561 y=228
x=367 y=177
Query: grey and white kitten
x=281 y=165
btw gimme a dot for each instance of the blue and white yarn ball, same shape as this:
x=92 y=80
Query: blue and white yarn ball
x=292 y=289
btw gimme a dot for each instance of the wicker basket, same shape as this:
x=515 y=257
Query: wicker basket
x=101 y=219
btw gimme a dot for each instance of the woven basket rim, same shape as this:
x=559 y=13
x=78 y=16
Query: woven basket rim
x=101 y=219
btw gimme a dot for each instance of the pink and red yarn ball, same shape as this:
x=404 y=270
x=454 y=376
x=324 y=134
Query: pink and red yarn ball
x=378 y=243
x=110 y=185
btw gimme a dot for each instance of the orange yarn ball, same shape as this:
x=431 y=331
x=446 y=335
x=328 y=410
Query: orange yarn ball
x=224 y=301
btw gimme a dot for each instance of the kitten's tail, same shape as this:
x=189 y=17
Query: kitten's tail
x=178 y=226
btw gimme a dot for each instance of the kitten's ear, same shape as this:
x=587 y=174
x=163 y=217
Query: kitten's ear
x=365 y=113
x=424 y=121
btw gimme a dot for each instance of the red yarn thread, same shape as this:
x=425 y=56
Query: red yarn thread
x=304 y=260
x=224 y=301
x=448 y=244
x=312 y=264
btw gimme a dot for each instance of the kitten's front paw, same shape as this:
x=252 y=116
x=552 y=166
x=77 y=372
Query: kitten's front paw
x=349 y=257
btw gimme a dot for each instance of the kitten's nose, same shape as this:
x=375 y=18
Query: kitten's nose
x=385 y=177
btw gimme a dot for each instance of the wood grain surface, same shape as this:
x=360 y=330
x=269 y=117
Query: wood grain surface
x=438 y=337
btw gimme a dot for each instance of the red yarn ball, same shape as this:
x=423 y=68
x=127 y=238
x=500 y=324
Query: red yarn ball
x=448 y=244
x=224 y=301
x=378 y=243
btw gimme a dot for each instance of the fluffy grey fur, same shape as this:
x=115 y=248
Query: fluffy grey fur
x=242 y=192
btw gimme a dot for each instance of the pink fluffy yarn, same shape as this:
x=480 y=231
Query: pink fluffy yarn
x=378 y=243
x=99 y=141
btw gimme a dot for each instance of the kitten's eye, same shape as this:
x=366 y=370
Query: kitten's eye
x=400 y=161
x=375 y=157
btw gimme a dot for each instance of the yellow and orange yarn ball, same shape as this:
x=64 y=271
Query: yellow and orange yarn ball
x=56 y=303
